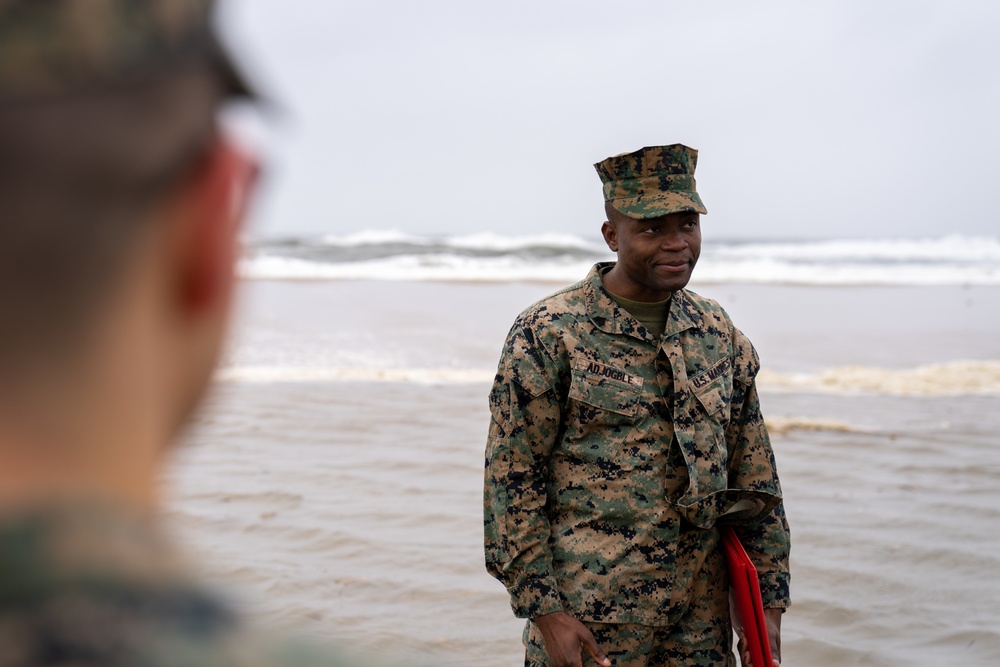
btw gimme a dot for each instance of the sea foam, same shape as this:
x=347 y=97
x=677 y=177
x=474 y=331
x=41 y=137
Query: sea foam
x=955 y=378
x=565 y=258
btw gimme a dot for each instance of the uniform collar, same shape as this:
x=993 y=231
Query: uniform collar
x=683 y=314
x=611 y=318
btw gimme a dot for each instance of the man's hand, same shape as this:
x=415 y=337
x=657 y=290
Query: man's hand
x=564 y=637
x=773 y=619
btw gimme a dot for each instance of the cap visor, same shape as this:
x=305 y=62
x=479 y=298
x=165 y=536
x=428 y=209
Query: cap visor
x=659 y=204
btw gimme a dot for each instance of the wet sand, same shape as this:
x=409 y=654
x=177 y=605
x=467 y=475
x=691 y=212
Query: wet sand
x=348 y=505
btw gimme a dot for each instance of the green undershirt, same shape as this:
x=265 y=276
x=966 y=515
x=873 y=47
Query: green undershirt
x=651 y=314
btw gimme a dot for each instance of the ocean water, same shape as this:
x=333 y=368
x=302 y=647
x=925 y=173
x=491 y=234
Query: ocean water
x=386 y=255
x=333 y=483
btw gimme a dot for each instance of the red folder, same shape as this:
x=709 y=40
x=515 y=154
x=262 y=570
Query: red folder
x=744 y=589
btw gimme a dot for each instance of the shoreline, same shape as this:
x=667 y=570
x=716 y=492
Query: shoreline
x=385 y=325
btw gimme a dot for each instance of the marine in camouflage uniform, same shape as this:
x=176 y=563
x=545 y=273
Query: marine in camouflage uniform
x=614 y=453
x=116 y=190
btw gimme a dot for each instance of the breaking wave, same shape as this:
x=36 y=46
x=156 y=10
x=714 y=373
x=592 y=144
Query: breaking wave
x=564 y=258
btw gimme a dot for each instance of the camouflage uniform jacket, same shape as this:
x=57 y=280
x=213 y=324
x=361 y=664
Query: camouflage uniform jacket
x=104 y=588
x=612 y=454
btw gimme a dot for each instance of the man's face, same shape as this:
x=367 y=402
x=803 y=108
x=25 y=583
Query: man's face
x=655 y=256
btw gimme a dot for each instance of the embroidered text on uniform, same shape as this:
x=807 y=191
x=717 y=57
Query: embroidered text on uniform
x=715 y=371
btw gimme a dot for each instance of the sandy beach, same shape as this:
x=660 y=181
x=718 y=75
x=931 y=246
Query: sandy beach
x=334 y=481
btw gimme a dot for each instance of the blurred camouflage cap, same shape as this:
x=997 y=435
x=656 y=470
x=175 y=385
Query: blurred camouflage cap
x=54 y=47
x=652 y=181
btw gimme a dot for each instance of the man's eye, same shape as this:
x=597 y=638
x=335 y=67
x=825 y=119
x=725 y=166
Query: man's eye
x=651 y=230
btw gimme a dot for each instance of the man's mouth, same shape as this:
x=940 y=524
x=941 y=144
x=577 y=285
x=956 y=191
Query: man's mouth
x=674 y=266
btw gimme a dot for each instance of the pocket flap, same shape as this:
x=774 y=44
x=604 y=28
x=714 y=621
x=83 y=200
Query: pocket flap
x=711 y=398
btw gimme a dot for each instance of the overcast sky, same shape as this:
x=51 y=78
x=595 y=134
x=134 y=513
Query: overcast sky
x=856 y=118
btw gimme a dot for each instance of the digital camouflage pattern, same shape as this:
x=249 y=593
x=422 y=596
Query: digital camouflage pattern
x=700 y=637
x=612 y=455
x=55 y=47
x=652 y=181
x=96 y=588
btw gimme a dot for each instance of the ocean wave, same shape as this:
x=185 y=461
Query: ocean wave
x=483 y=241
x=287 y=268
x=772 y=271
x=491 y=241
x=564 y=258
x=783 y=425
x=436 y=267
x=374 y=237
x=955 y=378
x=961 y=249
x=564 y=270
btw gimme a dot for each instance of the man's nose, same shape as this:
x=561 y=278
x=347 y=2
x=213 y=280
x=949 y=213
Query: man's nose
x=673 y=240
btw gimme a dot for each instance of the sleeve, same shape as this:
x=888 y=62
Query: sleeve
x=525 y=418
x=768 y=541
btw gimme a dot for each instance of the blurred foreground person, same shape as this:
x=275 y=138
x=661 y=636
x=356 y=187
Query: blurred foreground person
x=119 y=208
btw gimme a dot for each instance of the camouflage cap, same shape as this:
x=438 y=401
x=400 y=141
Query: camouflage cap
x=652 y=181
x=54 y=47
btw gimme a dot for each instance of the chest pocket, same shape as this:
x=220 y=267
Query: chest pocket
x=602 y=410
x=713 y=390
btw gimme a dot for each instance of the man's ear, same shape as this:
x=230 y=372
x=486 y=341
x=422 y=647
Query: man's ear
x=205 y=236
x=610 y=232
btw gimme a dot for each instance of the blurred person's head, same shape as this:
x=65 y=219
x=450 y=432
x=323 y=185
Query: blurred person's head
x=117 y=237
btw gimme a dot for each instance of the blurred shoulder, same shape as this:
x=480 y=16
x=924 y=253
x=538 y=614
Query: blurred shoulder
x=90 y=585
x=78 y=623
